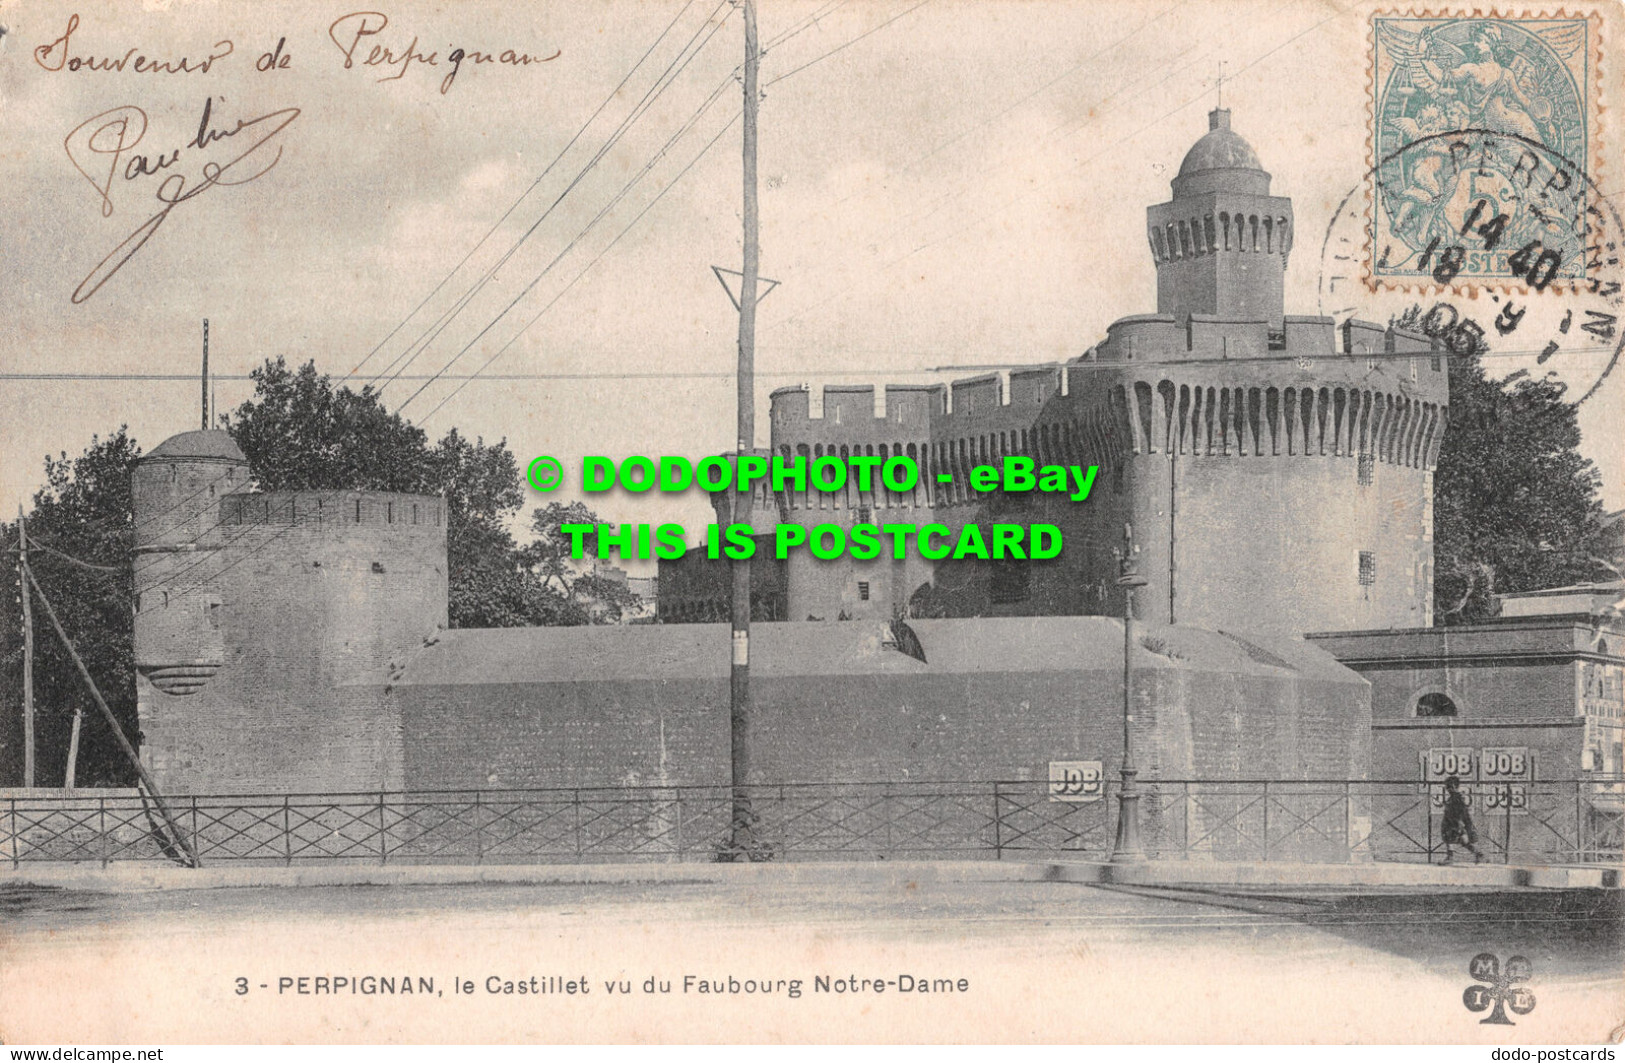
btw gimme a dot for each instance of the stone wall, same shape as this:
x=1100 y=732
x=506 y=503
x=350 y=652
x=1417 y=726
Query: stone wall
x=998 y=700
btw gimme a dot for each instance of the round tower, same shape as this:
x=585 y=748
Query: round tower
x=1276 y=469
x=853 y=426
x=176 y=491
x=1221 y=243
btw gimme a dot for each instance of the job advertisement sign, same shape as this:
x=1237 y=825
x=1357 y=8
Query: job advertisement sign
x=1077 y=781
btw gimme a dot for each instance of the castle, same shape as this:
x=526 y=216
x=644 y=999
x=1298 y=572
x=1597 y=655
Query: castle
x=1276 y=473
x=295 y=642
x=1276 y=470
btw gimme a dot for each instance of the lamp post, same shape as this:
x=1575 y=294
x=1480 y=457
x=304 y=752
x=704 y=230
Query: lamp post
x=1128 y=848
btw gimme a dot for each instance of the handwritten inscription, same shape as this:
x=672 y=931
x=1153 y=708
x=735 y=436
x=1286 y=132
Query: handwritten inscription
x=59 y=55
x=349 y=34
x=103 y=149
x=353 y=35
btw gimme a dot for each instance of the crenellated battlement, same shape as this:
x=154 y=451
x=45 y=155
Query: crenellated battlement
x=854 y=405
x=1203 y=386
x=1205 y=337
x=337 y=508
x=1167 y=417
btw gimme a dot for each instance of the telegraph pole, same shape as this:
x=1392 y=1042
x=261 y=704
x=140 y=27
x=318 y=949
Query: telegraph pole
x=205 y=374
x=741 y=837
x=175 y=834
x=70 y=775
x=28 y=649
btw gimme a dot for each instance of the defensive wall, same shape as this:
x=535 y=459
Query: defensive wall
x=999 y=699
x=323 y=680
x=294 y=641
x=1264 y=494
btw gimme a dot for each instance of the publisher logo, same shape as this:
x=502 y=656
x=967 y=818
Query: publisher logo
x=1500 y=989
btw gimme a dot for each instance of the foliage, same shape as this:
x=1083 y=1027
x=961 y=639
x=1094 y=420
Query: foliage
x=600 y=598
x=83 y=511
x=1516 y=506
x=299 y=432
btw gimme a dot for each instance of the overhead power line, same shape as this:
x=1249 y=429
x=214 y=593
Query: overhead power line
x=684 y=171
x=776 y=41
x=805 y=24
x=34 y=543
x=672 y=183
x=667 y=77
x=614 y=202
x=249 y=527
x=848 y=44
x=526 y=193
x=858 y=370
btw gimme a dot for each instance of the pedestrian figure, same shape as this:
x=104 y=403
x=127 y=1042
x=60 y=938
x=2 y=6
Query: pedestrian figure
x=1457 y=828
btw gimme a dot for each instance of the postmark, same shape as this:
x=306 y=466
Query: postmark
x=1481 y=122
x=1524 y=259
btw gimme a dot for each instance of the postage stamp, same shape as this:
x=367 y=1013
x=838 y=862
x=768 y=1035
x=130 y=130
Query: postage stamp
x=383 y=566
x=1482 y=143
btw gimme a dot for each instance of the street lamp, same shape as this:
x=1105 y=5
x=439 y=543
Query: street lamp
x=1128 y=849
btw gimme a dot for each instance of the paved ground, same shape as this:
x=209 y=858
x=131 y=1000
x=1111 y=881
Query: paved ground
x=1040 y=960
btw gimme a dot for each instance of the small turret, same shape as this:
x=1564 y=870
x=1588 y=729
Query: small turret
x=1221 y=244
x=176 y=492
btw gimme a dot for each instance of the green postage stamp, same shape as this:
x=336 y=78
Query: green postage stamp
x=1483 y=139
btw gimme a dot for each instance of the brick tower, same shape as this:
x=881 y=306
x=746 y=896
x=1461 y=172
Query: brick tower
x=1276 y=468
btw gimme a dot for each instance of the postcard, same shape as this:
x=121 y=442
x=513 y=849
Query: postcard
x=812 y=521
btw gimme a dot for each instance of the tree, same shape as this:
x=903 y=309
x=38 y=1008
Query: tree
x=83 y=512
x=600 y=598
x=300 y=432
x=1516 y=506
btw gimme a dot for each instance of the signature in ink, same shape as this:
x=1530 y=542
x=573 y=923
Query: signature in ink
x=102 y=147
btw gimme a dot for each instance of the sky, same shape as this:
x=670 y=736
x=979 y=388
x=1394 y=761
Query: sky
x=942 y=184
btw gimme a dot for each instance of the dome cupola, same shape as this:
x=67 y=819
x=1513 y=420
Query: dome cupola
x=1222 y=161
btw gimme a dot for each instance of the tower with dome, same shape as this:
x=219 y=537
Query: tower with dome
x=1276 y=468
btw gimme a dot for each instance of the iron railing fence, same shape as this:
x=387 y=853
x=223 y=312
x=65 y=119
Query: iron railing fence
x=1320 y=821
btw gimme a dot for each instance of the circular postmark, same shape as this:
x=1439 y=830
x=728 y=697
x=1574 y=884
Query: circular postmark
x=1519 y=245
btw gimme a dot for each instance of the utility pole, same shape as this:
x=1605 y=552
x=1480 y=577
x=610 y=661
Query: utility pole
x=112 y=722
x=742 y=840
x=205 y=374
x=71 y=773
x=28 y=649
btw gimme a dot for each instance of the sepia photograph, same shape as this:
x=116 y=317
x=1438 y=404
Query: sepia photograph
x=812 y=521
